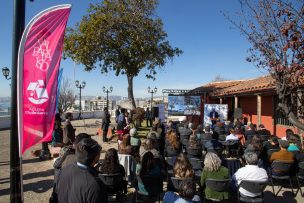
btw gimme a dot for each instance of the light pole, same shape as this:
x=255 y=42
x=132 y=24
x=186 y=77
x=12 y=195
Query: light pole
x=152 y=91
x=80 y=86
x=15 y=178
x=6 y=73
x=107 y=91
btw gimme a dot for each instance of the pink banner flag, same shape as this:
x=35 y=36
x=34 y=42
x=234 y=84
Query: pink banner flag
x=38 y=67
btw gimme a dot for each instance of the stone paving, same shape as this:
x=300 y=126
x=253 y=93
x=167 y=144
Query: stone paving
x=38 y=175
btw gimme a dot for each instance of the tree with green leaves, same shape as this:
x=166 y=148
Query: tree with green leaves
x=275 y=29
x=124 y=36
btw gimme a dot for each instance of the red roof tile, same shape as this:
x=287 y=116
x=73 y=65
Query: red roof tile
x=234 y=87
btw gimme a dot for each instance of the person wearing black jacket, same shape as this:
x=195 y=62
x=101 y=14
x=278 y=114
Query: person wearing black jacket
x=105 y=123
x=78 y=182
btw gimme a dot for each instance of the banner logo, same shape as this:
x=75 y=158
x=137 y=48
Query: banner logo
x=36 y=92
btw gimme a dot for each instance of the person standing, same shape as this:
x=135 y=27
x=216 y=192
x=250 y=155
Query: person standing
x=68 y=130
x=117 y=112
x=214 y=117
x=105 y=123
x=148 y=116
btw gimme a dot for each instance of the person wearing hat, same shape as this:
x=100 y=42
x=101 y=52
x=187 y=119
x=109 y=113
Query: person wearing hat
x=283 y=154
x=78 y=182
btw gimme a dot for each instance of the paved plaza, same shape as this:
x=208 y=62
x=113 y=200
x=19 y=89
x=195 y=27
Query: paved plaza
x=38 y=175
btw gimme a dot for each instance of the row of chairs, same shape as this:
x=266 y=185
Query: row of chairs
x=154 y=185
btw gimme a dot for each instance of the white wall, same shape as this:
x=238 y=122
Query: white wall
x=5 y=122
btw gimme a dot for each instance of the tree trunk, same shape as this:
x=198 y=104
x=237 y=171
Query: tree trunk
x=130 y=91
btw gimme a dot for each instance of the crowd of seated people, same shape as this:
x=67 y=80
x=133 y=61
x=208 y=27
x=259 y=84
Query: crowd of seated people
x=256 y=157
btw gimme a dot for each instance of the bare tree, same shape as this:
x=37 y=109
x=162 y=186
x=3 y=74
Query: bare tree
x=275 y=30
x=219 y=78
x=66 y=95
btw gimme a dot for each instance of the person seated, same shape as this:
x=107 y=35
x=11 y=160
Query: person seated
x=182 y=167
x=79 y=181
x=228 y=125
x=221 y=137
x=173 y=145
x=250 y=132
x=134 y=141
x=219 y=128
x=232 y=136
x=283 y=154
x=193 y=127
x=214 y=145
x=294 y=144
x=299 y=157
x=251 y=171
x=213 y=170
x=150 y=145
x=169 y=126
x=199 y=132
x=240 y=135
x=185 y=131
x=207 y=135
x=289 y=133
x=255 y=145
x=110 y=165
x=159 y=127
x=263 y=131
x=272 y=143
x=194 y=143
x=186 y=193
x=147 y=167
x=125 y=146
x=67 y=154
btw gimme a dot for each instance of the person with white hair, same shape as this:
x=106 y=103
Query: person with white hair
x=251 y=171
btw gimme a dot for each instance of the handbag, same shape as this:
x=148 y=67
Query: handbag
x=54 y=197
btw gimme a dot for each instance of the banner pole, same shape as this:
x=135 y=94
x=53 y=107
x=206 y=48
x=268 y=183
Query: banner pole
x=15 y=165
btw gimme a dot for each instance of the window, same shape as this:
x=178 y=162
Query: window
x=280 y=118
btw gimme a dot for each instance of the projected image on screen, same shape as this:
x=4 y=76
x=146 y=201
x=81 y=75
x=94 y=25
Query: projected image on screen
x=184 y=105
x=176 y=105
x=192 y=105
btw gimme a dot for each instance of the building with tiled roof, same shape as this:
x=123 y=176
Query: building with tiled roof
x=256 y=99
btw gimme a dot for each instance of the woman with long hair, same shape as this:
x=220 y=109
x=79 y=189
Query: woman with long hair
x=213 y=170
x=255 y=145
x=238 y=132
x=147 y=167
x=173 y=145
x=182 y=167
x=110 y=164
x=125 y=147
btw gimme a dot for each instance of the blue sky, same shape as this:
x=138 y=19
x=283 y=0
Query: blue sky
x=197 y=27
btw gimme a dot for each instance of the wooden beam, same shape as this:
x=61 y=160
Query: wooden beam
x=259 y=108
